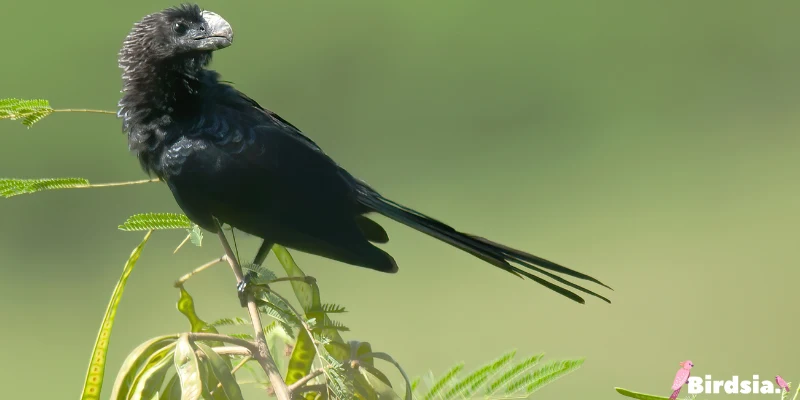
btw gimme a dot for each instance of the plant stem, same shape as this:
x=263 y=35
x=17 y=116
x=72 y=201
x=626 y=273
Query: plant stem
x=199 y=269
x=240 y=365
x=232 y=350
x=186 y=239
x=302 y=381
x=262 y=354
x=320 y=388
x=194 y=336
x=113 y=184
x=85 y=110
x=233 y=371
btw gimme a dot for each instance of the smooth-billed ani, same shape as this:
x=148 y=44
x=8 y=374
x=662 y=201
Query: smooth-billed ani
x=226 y=158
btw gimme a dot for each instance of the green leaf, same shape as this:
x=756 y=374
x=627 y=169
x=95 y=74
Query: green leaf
x=415 y=383
x=28 y=111
x=188 y=369
x=173 y=389
x=383 y=390
x=245 y=336
x=441 y=383
x=640 y=396
x=337 y=383
x=513 y=372
x=284 y=318
x=360 y=351
x=156 y=221
x=10 y=187
x=333 y=309
x=334 y=325
x=134 y=362
x=186 y=307
x=307 y=294
x=263 y=275
x=94 y=376
x=362 y=389
x=545 y=375
x=466 y=387
x=276 y=342
x=222 y=371
x=196 y=235
x=301 y=359
x=387 y=357
x=149 y=381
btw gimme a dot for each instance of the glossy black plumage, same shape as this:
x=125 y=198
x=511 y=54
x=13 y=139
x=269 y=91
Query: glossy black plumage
x=223 y=155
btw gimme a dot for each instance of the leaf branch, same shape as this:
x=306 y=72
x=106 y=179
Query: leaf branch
x=199 y=269
x=304 y=380
x=262 y=354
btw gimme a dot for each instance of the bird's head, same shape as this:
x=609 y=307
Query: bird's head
x=177 y=33
x=687 y=364
x=163 y=62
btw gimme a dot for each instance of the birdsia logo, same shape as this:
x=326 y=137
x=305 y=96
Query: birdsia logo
x=707 y=385
x=735 y=385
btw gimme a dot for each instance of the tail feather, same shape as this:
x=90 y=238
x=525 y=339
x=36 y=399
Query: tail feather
x=494 y=253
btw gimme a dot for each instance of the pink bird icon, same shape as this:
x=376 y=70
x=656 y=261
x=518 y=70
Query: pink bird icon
x=681 y=378
x=782 y=383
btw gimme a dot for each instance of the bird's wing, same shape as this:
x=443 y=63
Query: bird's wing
x=260 y=174
x=680 y=379
x=257 y=142
x=292 y=130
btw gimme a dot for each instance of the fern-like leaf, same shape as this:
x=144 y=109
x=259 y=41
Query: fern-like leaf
x=12 y=187
x=335 y=375
x=550 y=373
x=500 y=379
x=236 y=321
x=513 y=373
x=286 y=319
x=331 y=324
x=244 y=336
x=262 y=275
x=415 y=383
x=156 y=221
x=443 y=382
x=28 y=112
x=533 y=381
x=332 y=309
x=468 y=386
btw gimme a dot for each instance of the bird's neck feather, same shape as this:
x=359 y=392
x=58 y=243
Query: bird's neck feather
x=166 y=84
x=155 y=94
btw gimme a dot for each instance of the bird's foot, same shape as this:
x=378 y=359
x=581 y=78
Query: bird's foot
x=243 y=287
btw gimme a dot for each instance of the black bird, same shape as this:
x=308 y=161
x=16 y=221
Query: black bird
x=225 y=158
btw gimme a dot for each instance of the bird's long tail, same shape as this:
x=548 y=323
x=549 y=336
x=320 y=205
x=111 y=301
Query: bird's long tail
x=494 y=253
x=675 y=394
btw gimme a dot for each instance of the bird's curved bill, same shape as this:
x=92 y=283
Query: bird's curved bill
x=218 y=35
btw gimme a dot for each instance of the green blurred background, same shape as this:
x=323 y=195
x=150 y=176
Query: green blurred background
x=650 y=144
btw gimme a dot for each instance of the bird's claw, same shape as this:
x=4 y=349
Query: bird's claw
x=242 y=288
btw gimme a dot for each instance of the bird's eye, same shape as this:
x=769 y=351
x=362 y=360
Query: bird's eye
x=180 y=28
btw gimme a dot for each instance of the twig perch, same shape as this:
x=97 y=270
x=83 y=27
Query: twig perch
x=262 y=355
x=199 y=269
x=304 y=380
